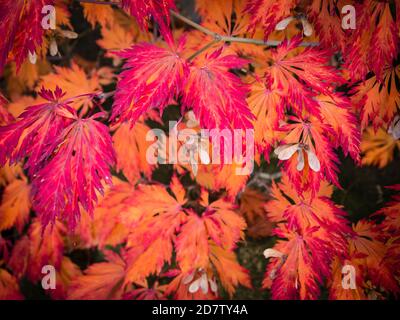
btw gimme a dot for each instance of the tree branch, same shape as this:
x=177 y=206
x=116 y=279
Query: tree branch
x=219 y=37
x=216 y=36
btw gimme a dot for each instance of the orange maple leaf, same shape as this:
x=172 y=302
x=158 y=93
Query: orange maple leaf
x=15 y=205
x=101 y=281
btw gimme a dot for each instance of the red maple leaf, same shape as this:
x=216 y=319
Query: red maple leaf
x=143 y=11
x=299 y=265
x=35 y=131
x=153 y=76
x=21 y=29
x=217 y=96
x=82 y=161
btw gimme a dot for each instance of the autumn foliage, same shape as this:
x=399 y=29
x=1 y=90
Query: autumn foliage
x=321 y=99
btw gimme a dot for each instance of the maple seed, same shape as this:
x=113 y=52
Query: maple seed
x=394 y=128
x=53 y=47
x=285 y=152
x=32 y=57
x=272 y=253
x=203 y=282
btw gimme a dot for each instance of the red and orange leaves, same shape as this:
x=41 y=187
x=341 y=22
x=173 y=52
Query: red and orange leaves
x=36 y=128
x=302 y=76
x=316 y=231
x=130 y=147
x=54 y=139
x=101 y=281
x=164 y=224
x=144 y=11
x=217 y=96
x=9 y=288
x=179 y=240
x=377 y=100
x=375 y=42
x=268 y=13
x=21 y=29
x=375 y=257
x=153 y=76
x=37 y=249
x=83 y=160
x=299 y=265
x=303 y=83
x=15 y=206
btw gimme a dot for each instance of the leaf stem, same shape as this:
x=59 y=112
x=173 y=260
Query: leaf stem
x=201 y=50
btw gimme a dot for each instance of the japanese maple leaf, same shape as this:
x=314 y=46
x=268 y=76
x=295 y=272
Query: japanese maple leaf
x=150 y=245
x=67 y=272
x=268 y=106
x=302 y=76
x=130 y=147
x=103 y=15
x=82 y=161
x=378 y=100
x=326 y=19
x=268 y=13
x=375 y=254
x=105 y=227
x=35 y=131
x=75 y=83
x=299 y=265
x=159 y=10
x=9 y=288
x=146 y=292
x=219 y=223
x=335 y=282
x=38 y=248
x=376 y=49
x=336 y=111
x=308 y=211
x=217 y=96
x=21 y=29
x=224 y=17
x=15 y=205
x=224 y=260
x=378 y=148
x=101 y=281
x=152 y=77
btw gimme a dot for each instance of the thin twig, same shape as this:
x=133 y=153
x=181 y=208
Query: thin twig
x=219 y=37
x=216 y=36
x=195 y=25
